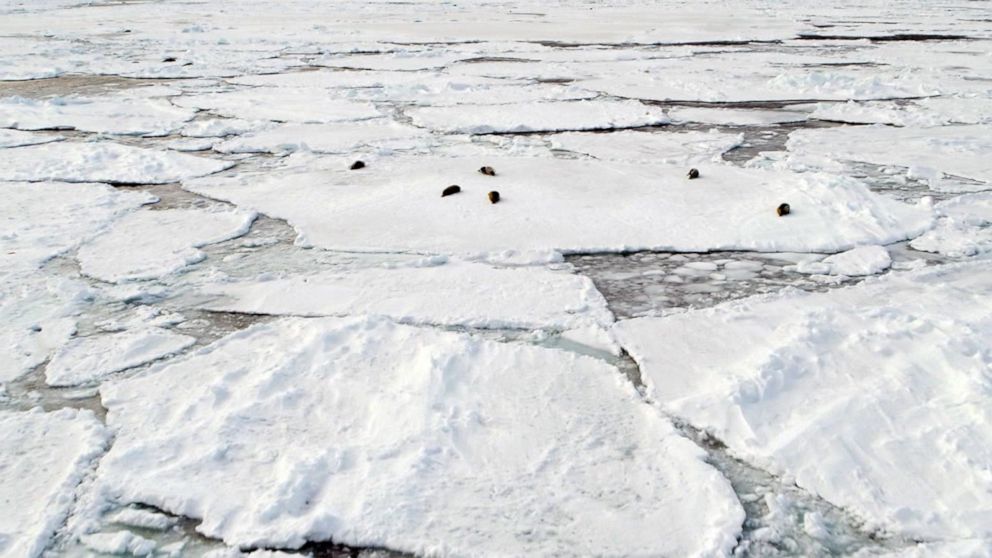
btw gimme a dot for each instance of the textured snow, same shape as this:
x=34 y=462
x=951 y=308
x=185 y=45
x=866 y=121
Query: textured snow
x=142 y=519
x=85 y=359
x=457 y=293
x=44 y=457
x=326 y=138
x=954 y=150
x=128 y=113
x=538 y=116
x=557 y=204
x=679 y=148
x=17 y=138
x=863 y=260
x=875 y=397
x=102 y=162
x=372 y=433
x=150 y=244
x=284 y=104
x=934 y=111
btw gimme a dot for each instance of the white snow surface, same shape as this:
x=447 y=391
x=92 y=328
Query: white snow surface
x=283 y=104
x=735 y=117
x=85 y=359
x=102 y=162
x=44 y=219
x=118 y=542
x=372 y=433
x=676 y=148
x=153 y=243
x=326 y=138
x=127 y=113
x=44 y=458
x=537 y=116
x=875 y=397
x=18 y=138
x=569 y=206
x=953 y=150
x=456 y=293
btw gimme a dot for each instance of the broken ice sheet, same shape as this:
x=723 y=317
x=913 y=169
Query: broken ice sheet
x=128 y=112
x=376 y=434
x=874 y=397
x=327 y=138
x=661 y=147
x=283 y=104
x=85 y=359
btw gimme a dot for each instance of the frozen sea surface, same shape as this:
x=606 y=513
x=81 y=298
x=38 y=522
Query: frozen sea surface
x=238 y=317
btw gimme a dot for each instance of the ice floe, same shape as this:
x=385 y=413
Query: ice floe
x=455 y=293
x=375 y=434
x=960 y=151
x=650 y=147
x=17 y=138
x=327 y=138
x=538 y=116
x=44 y=458
x=127 y=113
x=283 y=104
x=568 y=206
x=85 y=359
x=863 y=260
x=735 y=117
x=154 y=243
x=102 y=162
x=875 y=397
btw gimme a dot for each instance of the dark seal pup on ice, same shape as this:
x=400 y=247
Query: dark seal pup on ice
x=494 y=197
x=488 y=171
x=357 y=165
x=693 y=173
x=454 y=189
x=169 y=59
x=783 y=210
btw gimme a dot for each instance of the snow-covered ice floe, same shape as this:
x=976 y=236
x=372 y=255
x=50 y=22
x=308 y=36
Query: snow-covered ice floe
x=660 y=147
x=85 y=359
x=875 y=397
x=326 y=138
x=863 y=260
x=961 y=151
x=18 y=138
x=283 y=104
x=558 y=204
x=102 y=162
x=44 y=458
x=538 y=116
x=376 y=434
x=154 y=243
x=456 y=293
x=124 y=113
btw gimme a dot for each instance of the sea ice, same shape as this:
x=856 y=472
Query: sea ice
x=376 y=434
x=326 y=138
x=124 y=113
x=567 y=205
x=44 y=457
x=863 y=260
x=677 y=148
x=102 y=162
x=455 y=294
x=153 y=243
x=875 y=397
x=17 y=138
x=85 y=359
x=283 y=104
x=538 y=116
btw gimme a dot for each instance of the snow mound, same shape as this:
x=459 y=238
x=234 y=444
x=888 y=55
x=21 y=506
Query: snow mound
x=568 y=205
x=154 y=243
x=875 y=397
x=102 y=162
x=464 y=294
x=44 y=457
x=371 y=433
